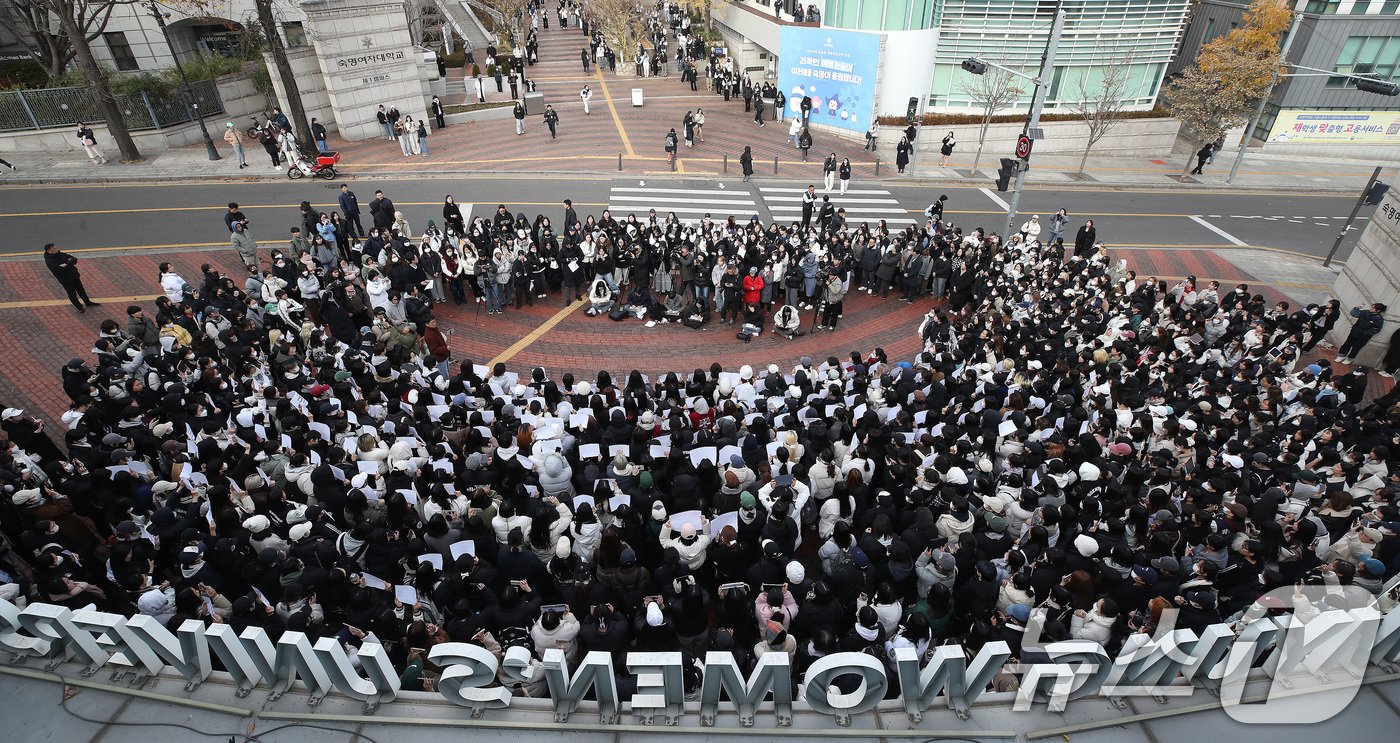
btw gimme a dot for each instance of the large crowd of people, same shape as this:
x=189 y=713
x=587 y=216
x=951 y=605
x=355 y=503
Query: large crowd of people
x=1075 y=448
x=1075 y=452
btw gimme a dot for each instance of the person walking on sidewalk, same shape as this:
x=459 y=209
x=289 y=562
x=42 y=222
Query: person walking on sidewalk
x=583 y=55
x=519 y=119
x=586 y=95
x=234 y=138
x=746 y=162
x=843 y=173
x=1368 y=324
x=804 y=142
x=946 y=150
x=318 y=133
x=757 y=111
x=672 y=145
x=7 y=164
x=829 y=172
x=699 y=121
x=64 y=267
x=89 y=143
x=480 y=88
x=901 y=153
x=689 y=123
x=551 y=120
x=1202 y=156
x=794 y=129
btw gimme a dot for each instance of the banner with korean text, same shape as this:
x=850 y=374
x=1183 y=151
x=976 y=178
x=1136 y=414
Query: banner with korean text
x=1336 y=127
x=836 y=69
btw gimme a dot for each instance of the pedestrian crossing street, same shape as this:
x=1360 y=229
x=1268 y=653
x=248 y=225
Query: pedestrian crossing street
x=861 y=205
x=687 y=203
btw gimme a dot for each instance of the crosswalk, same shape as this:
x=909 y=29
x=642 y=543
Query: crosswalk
x=861 y=205
x=687 y=203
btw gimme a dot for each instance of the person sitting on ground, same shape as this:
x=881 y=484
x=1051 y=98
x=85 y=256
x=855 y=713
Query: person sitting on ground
x=673 y=308
x=638 y=301
x=787 y=321
x=600 y=298
x=754 y=320
x=697 y=315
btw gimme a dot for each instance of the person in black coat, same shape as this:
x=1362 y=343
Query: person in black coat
x=1085 y=239
x=64 y=267
x=381 y=209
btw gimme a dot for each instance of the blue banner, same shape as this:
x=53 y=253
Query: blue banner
x=836 y=69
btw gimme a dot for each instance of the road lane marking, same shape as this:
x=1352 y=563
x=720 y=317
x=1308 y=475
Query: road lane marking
x=612 y=109
x=1218 y=231
x=36 y=303
x=535 y=334
x=996 y=199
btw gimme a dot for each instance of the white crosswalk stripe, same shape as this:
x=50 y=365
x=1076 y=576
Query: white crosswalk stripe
x=687 y=203
x=861 y=205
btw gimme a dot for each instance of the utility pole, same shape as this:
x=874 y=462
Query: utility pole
x=186 y=91
x=1042 y=86
x=1264 y=101
x=1360 y=201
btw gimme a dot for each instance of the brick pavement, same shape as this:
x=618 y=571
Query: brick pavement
x=592 y=143
x=35 y=342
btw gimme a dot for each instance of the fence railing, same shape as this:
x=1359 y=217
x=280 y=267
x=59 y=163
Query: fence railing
x=52 y=108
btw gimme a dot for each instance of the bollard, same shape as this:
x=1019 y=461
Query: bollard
x=726 y=163
x=775 y=165
x=877 y=166
x=619 y=162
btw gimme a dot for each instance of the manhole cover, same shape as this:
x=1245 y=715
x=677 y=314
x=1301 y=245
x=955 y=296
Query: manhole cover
x=1183 y=179
x=1081 y=177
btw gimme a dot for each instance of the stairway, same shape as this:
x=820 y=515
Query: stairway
x=464 y=21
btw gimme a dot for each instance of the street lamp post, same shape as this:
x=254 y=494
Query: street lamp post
x=186 y=91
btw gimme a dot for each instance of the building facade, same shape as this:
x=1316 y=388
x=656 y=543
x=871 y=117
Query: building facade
x=1346 y=36
x=924 y=42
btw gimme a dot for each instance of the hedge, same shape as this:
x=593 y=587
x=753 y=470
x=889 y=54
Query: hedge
x=937 y=119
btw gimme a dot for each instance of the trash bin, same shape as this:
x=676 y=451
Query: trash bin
x=636 y=96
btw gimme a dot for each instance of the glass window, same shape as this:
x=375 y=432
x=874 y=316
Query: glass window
x=1390 y=7
x=1360 y=6
x=1210 y=26
x=120 y=50
x=1366 y=55
x=295 y=33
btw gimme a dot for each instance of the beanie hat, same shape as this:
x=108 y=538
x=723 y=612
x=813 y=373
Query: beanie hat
x=300 y=531
x=151 y=602
x=796 y=573
x=654 y=616
x=746 y=500
x=562 y=547
x=995 y=523
x=644 y=480
x=256 y=523
x=1086 y=545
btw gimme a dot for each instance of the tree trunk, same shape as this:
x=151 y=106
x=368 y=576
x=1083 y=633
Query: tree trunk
x=1191 y=158
x=102 y=91
x=981 y=140
x=295 y=110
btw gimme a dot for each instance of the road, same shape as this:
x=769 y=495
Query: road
x=161 y=217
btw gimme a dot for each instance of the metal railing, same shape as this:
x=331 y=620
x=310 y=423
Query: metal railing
x=53 y=108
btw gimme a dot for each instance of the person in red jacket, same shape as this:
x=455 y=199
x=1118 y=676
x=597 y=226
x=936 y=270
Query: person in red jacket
x=753 y=286
x=436 y=342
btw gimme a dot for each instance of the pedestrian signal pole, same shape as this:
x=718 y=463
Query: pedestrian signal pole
x=1042 y=86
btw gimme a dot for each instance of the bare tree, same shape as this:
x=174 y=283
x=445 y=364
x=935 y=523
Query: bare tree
x=296 y=111
x=990 y=93
x=69 y=13
x=1101 y=107
x=37 y=29
x=620 y=22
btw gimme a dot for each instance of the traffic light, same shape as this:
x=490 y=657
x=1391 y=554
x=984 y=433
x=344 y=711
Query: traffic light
x=1379 y=87
x=975 y=66
x=1377 y=192
x=1005 y=173
x=913 y=111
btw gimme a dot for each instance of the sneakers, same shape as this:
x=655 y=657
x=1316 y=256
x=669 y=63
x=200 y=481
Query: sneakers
x=1342 y=359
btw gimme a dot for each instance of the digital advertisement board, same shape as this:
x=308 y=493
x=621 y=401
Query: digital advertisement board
x=1336 y=127
x=836 y=69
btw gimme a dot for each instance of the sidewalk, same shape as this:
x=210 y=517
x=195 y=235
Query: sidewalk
x=616 y=135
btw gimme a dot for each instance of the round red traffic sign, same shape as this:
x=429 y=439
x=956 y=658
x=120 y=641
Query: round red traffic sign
x=1023 y=146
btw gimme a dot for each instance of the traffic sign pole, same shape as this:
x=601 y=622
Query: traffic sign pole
x=1042 y=84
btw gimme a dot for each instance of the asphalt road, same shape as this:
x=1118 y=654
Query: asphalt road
x=157 y=217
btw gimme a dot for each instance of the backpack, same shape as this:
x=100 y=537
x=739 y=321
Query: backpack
x=846 y=558
x=515 y=637
x=617 y=314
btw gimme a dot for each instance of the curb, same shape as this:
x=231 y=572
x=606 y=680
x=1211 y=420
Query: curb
x=904 y=181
